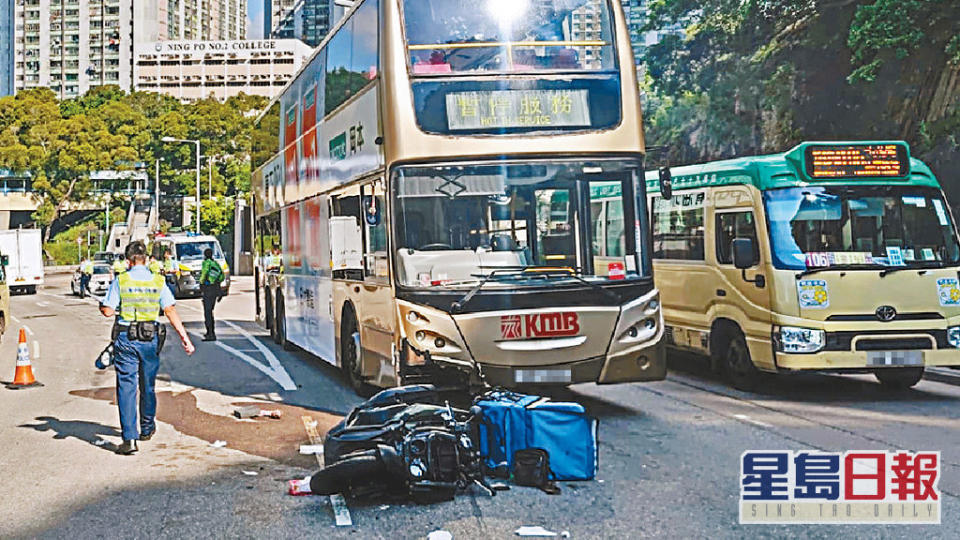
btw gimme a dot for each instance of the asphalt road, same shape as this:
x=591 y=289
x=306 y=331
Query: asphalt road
x=668 y=457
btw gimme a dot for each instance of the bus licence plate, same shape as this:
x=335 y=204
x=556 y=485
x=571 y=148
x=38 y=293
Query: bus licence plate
x=540 y=376
x=895 y=358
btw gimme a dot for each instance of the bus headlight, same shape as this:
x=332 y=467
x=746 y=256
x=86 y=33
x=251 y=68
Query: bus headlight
x=799 y=340
x=953 y=336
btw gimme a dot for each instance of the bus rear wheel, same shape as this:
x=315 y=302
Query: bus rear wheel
x=899 y=378
x=269 y=312
x=738 y=367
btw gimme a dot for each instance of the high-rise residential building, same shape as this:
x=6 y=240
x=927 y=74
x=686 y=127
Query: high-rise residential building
x=190 y=20
x=6 y=47
x=306 y=20
x=71 y=46
x=636 y=15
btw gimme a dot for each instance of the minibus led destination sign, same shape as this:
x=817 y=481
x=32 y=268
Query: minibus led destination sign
x=496 y=109
x=856 y=161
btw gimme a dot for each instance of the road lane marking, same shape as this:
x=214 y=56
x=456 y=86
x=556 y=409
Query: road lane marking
x=275 y=370
x=341 y=513
x=43 y=303
x=28 y=330
x=15 y=319
x=753 y=421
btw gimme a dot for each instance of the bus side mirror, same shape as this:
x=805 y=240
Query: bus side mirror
x=666 y=183
x=743 y=257
x=5 y=260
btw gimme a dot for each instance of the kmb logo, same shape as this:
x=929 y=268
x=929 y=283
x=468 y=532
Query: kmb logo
x=539 y=325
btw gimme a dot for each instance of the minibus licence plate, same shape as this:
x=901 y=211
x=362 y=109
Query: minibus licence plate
x=895 y=358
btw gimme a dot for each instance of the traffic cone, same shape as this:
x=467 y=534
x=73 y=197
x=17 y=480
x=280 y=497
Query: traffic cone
x=23 y=378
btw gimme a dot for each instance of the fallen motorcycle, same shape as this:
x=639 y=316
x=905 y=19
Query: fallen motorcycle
x=402 y=442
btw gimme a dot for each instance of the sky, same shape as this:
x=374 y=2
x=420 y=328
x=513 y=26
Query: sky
x=254 y=19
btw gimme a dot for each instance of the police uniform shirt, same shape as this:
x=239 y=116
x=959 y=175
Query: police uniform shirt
x=138 y=272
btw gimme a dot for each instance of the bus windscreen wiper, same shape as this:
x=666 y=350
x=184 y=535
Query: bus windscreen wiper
x=570 y=272
x=458 y=306
x=810 y=271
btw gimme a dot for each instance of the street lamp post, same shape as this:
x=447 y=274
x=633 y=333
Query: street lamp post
x=156 y=189
x=196 y=142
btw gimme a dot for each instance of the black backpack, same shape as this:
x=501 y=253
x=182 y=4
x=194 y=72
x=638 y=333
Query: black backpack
x=531 y=467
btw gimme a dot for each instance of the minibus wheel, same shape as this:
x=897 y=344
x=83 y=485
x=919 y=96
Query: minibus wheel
x=738 y=366
x=899 y=378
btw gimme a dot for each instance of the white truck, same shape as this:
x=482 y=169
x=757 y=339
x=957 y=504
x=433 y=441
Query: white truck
x=25 y=249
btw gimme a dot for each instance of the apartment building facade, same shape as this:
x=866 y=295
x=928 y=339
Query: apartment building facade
x=71 y=46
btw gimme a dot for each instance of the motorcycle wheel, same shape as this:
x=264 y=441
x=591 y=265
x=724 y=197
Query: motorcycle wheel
x=338 y=478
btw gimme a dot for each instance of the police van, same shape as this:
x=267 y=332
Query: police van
x=838 y=256
x=187 y=250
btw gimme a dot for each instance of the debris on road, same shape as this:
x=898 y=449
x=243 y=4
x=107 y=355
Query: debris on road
x=299 y=488
x=384 y=507
x=99 y=442
x=250 y=473
x=341 y=513
x=252 y=411
x=311 y=449
x=537 y=531
x=218 y=444
x=440 y=535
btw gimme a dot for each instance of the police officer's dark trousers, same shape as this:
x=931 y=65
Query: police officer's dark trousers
x=210 y=295
x=84 y=285
x=136 y=363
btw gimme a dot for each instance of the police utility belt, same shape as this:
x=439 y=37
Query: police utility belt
x=141 y=331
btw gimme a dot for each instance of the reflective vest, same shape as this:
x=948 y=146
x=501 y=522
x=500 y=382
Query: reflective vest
x=140 y=299
x=119 y=266
x=169 y=266
x=154 y=266
x=86 y=267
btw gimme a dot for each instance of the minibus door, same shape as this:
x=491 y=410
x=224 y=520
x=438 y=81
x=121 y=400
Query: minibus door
x=743 y=285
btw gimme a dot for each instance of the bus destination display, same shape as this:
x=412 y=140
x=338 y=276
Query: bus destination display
x=857 y=161
x=505 y=109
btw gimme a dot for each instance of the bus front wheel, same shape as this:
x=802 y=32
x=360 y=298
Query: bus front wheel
x=737 y=364
x=351 y=355
x=899 y=378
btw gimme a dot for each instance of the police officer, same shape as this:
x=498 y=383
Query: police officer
x=211 y=274
x=134 y=297
x=86 y=272
x=119 y=266
x=154 y=265
x=171 y=271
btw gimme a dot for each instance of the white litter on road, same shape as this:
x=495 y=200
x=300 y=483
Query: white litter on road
x=440 y=535
x=537 y=531
x=218 y=444
x=311 y=449
x=384 y=507
x=99 y=442
x=340 y=511
x=250 y=473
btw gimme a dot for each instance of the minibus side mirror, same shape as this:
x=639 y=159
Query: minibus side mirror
x=5 y=260
x=743 y=253
x=666 y=183
x=744 y=257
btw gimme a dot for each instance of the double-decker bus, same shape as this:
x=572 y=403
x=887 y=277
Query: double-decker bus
x=835 y=256
x=427 y=215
